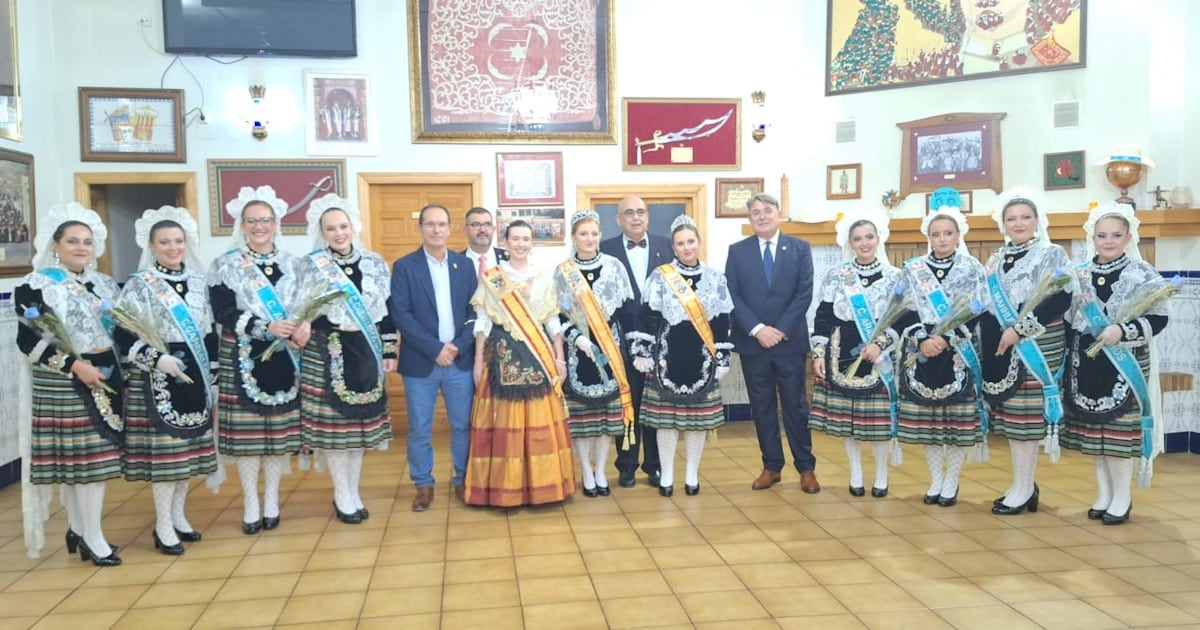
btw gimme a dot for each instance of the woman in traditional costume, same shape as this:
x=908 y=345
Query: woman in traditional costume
x=1023 y=348
x=939 y=375
x=520 y=450
x=253 y=289
x=856 y=407
x=1113 y=398
x=683 y=347
x=168 y=422
x=597 y=303
x=77 y=429
x=349 y=348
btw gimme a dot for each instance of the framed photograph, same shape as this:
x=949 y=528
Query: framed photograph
x=880 y=45
x=732 y=195
x=665 y=203
x=131 y=125
x=18 y=217
x=695 y=134
x=1062 y=171
x=512 y=73
x=339 y=113
x=525 y=179
x=968 y=202
x=843 y=181
x=957 y=150
x=297 y=182
x=10 y=83
x=549 y=224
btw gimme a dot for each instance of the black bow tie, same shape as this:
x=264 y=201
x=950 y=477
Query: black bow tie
x=632 y=244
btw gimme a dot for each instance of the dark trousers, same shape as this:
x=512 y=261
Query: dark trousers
x=647 y=437
x=769 y=375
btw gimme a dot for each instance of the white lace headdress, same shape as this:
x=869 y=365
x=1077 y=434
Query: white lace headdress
x=954 y=214
x=265 y=194
x=870 y=215
x=1113 y=209
x=191 y=235
x=43 y=243
x=317 y=209
x=1025 y=195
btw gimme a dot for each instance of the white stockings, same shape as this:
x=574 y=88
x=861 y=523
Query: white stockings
x=164 y=526
x=854 y=456
x=583 y=451
x=935 y=457
x=248 y=473
x=667 y=439
x=339 y=472
x=89 y=499
x=694 y=443
x=1120 y=470
x=1024 y=459
x=881 y=450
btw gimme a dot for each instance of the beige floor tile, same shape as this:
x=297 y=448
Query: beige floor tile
x=670 y=536
x=491 y=618
x=79 y=621
x=47 y=579
x=825 y=622
x=877 y=598
x=186 y=569
x=481 y=548
x=630 y=584
x=403 y=601
x=703 y=580
x=818 y=549
x=1020 y=587
x=728 y=606
x=1067 y=615
x=350 y=538
x=1143 y=610
x=285 y=543
x=406 y=576
x=903 y=619
x=750 y=553
x=350 y=558
x=556 y=590
x=411 y=553
x=471 y=597
x=741 y=533
x=165 y=617
x=799 y=601
x=322 y=608
x=128 y=575
x=881 y=546
x=1187 y=601
x=685 y=556
x=428 y=621
x=773 y=575
x=271 y=563
x=1005 y=538
x=608 y=540
x=1091 y=583
x=555 y=542
x=1169 y=553
x=484 y=570
x=475 y=531
x=257 y=587
x=179 y=593
x=1157 y=579
x=949 y=593
x=574 y=614
x=241 y=614
x=639 y=612
x=550 y=565
x=334 y=581
x=996 y=617
x=101 y=599
x=1108 y=556
x=857 y=571
x=977 y=563
x=1045 y=560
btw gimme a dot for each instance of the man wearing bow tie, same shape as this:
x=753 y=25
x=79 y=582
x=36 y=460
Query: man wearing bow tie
x=640 y=252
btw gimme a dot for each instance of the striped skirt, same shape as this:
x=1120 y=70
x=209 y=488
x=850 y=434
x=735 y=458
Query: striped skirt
x=520 y=451
x=592 y=417
x=67 y=447
x=864 y=417
x=329 y=423
x=242 y=432
x=153 y=455
x=660 y=411
x=956 y=424
x=1121 y=437
x=1022 y=415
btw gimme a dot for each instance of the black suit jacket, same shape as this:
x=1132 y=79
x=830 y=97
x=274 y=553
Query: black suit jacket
x=660 y=253
x=783 y=305
x=501 y=253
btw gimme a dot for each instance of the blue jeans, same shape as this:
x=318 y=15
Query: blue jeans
x=458 y=389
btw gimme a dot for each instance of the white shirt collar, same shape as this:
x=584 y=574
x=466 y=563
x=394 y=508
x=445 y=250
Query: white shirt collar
x=774 y=239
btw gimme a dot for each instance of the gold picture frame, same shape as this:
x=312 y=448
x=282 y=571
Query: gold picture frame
x=10 y=73
x=843 y=181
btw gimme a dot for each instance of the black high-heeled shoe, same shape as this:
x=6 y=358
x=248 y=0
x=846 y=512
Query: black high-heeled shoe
x=1031 y=504
x=691 y=491
x=250 y=529
x=930 y=499
x=666 y=491
x=857 y=491
x=947 y=501
x=364 y=513
x=270 y=522
x=192 y=536
x=1110 y=519
x=167 y=550
x=85 y=553
x=1094 y=514
x=350 y=519
x=72 y=541
x=603 y=491
x=590 y=493
x=1001 y=499
x=878 y=493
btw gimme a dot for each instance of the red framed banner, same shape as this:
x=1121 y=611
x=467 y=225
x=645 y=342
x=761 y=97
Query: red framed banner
x=525 y=179
x=682 y=134
x=297 y=182
x=959 y=150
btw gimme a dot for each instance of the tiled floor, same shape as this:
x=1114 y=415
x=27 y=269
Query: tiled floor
x=729 y=557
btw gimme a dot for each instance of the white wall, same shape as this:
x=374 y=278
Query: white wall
x=664 y=48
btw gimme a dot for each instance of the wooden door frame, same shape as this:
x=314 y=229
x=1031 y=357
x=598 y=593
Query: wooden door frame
x=586 y=195
x=187 y=179
x=366 y=180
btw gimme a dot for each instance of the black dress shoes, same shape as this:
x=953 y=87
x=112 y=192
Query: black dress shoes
x=85 y=553
x=591 y=493
x=1094 y=514
x=603 y=491
x=364 y=513
x=948 y=501
x=1111 y=519
x=1031 y=505
x=931 y=499
x=353 y=518
x=878 y=493
x=1001 y=499
x=627 y=480
x=656 y=479
x=666 y=491
x=168 y=550
x=192 y=536
x=270 y=522
x=72 y=541
x=691 y=490
x=252 y=528
x=857 y=491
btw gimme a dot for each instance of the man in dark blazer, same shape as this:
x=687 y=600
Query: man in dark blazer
x=640 y=252
x=431 y=307
x=480 y=228
x=771 y=282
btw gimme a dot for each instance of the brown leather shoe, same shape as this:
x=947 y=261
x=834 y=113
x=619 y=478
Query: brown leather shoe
x=423 y=499
x=809 y=483
x=460 y=492
x=767 y=479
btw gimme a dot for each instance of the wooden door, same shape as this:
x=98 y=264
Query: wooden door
x=391 y=204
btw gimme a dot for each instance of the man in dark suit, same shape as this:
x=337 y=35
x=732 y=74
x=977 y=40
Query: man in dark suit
x=640 y=252
x=480 y=228
x=771 y=282
x=431 y=307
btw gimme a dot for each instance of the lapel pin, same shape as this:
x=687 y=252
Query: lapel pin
x=784 y=248
x=455 y=265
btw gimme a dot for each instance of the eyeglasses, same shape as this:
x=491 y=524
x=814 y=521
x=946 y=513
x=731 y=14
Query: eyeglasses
x=477 y=225
x=259 y=221
x=634 y=212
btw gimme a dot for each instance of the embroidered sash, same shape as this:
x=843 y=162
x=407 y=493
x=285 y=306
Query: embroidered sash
x=262 y=287
x=353 y=299
x=1120 y=357
x=80 y=292
x=1029 y=352
x=865 y=322
x=181 y=316
x=525 y=328
x=691 y=305
x=932 y=289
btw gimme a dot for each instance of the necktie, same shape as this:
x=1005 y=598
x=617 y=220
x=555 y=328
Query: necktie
x=633 y=244
x=482 y=266
x=768 y=263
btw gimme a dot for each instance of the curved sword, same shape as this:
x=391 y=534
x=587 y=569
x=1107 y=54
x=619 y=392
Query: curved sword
x=325 y=184
x=704 y=128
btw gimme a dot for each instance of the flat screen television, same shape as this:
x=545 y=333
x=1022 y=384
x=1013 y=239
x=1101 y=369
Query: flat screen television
x=295 y=28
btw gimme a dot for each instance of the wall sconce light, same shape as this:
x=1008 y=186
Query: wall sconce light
x=759 y=98
x=258 y=127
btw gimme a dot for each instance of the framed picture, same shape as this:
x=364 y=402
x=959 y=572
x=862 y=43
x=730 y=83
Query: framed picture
x=549 y=224
x=1062 y=171
x=10 y=82
x=512 y=73
x=879 y=45
x=732 y=195
x=131 y=125
x=529 y=178
x=957 y=150
x=968 y=202
x=17 y=213
x=843 y=181
x=297 y=182
x=665 y=203
x=339 y=113
x=697 y=134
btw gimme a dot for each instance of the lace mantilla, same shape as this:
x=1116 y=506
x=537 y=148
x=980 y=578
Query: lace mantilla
x=710 y=288
x=964 y=276
x=140 y=300
x=833 y=290
x=78 y=309
x=611 y=287
x=225 y=271
x=376 y=287
x=1042 y=258
x=1136 y=278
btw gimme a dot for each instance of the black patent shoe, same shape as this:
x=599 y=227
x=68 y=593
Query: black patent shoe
x=603 y=491
x=192 y=536
x=627 y=480
x=691 y=491
x=73 y=541
x=270 y=522
x=591 y=493
x=948 y=501
x=666 y=491
x=85 y=553
x=857 y=491
x=655 y=480
x=1109 y=519
x=250 y=529
x=350 y=519
x=1004 y=510
x=878 y=493
x=1001 y=499
x=364 y=513
x=931 y=499
x=1094 y=514
x=167 y=550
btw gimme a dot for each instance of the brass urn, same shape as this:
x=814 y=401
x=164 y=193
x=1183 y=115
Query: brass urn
x=1124 y=174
